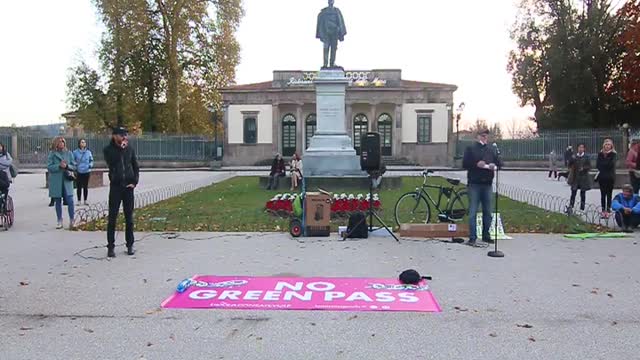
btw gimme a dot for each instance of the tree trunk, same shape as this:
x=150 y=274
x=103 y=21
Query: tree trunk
x=118 y=70
x=173 y=94
x=151 y=102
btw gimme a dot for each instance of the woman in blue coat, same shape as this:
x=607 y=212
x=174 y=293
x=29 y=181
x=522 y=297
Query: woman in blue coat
x=61 y=167
x=84 y=159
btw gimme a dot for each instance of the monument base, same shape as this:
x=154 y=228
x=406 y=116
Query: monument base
x=332 y=163
x=331 y=151
x=332 y=155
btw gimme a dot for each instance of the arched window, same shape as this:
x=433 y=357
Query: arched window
x=288 y=135
x=311 y=126
x=385 y=128
x=360 y=127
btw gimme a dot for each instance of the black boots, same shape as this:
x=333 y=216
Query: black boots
x=130 y=251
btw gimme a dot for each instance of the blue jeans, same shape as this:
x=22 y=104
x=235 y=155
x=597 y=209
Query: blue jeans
x=70 y=205
x=479 y=194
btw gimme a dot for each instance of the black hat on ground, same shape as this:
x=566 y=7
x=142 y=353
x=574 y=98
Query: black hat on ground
x=412 y=277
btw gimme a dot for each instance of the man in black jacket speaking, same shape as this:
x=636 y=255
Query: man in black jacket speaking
x=481 y=161
x=123 y=176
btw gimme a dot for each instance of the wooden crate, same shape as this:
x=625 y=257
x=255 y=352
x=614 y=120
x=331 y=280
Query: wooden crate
x=317 y=209
x=434 y=231
x=318 y=214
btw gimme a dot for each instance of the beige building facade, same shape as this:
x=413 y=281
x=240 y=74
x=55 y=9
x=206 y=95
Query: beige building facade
x=413 y=118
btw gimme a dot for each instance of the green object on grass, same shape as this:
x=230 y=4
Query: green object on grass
x=596 y=236
x=297 y=207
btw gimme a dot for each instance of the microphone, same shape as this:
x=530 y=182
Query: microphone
x=495 y=146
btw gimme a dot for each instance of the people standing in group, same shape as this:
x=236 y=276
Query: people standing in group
x=626 y=206
x=579 y=177
x=61 y=167
x=124 y=174
x=6 y=161
x=481 y=161
x=606 y=176
x=553 y=164
x=278 y=170
x=84 y=160
x=296 y=171
x=568 y=154
x=633 y=165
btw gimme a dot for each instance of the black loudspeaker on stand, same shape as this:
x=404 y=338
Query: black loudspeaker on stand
x=370 y=148
x=371 y=162
x=496 y=253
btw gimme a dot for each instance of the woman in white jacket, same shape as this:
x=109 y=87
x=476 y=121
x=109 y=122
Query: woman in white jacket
x=296 y=171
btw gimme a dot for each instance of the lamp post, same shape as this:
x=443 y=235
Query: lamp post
x=627 y=131
x=224 y=109
x=14 y=142
x=458 y=116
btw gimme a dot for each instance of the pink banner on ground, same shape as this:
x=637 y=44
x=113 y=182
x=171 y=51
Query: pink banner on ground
x=272 y=293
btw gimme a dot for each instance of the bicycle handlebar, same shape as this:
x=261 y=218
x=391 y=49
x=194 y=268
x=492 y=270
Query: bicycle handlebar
x=426 y=174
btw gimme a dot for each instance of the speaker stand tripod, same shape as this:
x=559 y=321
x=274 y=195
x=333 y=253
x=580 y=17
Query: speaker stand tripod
x=371 y=213
x=496 y=253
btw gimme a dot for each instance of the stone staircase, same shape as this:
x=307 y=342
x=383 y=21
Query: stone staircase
x=387 y=160
x=394 y=161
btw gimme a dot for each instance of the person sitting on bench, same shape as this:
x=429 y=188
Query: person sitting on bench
x=278 y=170
x=626 y=206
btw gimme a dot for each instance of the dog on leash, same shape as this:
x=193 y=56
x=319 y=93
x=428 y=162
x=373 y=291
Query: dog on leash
x=563 y=174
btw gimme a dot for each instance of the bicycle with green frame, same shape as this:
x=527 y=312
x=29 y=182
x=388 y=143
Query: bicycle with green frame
x=451 y=203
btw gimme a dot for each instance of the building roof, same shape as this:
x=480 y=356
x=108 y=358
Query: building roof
x=405 y=84
x=368 y=80
x=267 y=85
x=423 y=84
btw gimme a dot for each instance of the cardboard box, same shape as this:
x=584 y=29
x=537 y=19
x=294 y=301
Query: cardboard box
x=434 y=231
x=318 y=214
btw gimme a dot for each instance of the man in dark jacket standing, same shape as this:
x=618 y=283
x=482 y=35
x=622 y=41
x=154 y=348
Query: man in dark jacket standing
x=124 y=173
x=481 y=161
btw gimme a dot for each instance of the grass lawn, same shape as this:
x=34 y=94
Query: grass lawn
x=238 y=205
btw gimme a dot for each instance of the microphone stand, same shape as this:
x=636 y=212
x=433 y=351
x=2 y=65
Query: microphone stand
x=496 y=253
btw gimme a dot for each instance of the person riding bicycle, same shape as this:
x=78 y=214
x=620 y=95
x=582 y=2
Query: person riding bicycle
x=480 y=161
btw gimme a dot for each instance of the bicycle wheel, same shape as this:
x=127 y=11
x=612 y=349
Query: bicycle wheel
x=459 y=206
x=412 y=208
x=10 y=211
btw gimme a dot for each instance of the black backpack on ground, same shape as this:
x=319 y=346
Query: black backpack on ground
x=357 y=227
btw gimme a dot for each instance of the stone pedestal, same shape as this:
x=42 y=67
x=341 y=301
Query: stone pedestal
x=331 y=151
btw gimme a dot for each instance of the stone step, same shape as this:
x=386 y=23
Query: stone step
x=393 y=161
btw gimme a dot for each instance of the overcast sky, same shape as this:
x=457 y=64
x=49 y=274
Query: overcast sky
x=462 y=42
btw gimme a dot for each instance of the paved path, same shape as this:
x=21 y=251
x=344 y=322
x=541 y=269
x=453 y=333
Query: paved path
x=580 y=297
